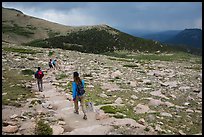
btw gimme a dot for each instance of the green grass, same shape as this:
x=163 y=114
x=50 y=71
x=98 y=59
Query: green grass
x=16 y=30
x=61 y=76
x=27 y=72
x=109 y=109
x=52 y=34
x=174 y=56
x=19 y=50
x=130 y=66
x=12 y=86
x=50 y=53
x=42 y=128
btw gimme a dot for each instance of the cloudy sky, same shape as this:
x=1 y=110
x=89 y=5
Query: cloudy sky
x=152 y=16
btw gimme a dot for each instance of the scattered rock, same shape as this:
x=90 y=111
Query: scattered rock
x=12 y=123
x=14 y=116
x=101 y=115
x=158 y=128
x=116 y=74
x=181 y=132
x=150 y=117
x=141 y=121
x=165 y=114
x=147 y=82
x=189 y=110
x=57 y=130
x=103 y=95
x=61 y=122
x=5 y=93
x=184 y=88
x=155 y=102
x=172 y=84
x=196 y=90
x=10 y=129
x=134 y=97
x=118 y=100
x=141 y=109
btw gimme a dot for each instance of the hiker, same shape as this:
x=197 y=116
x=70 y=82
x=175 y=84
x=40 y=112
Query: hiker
x=50 y=64
x=54 y=63
x=78 y=94
x=39 y=75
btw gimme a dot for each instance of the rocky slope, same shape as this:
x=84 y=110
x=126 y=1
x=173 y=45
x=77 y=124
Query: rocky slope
x=129 y=96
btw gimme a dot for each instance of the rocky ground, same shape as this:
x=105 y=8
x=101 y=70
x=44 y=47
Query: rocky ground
x=129 y=96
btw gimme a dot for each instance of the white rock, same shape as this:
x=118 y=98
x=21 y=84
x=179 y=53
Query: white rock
x=158 y=128
x=181 y=132
x=90 y=86
x=165 y=114
x=184 y=88
x=13 y=116
x=57 y=130
x=134 y=97
x=155 y=102
x=141 y=121
x=61 y=122
x=189 y=110
x=118 y=100
x=10 y=129
x=103 y=95
x=141 y=109
x=116 y=74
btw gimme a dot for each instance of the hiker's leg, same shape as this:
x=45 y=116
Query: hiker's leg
x=83 y=104
x=38 y=81
x=41 y=85
x=76 y=107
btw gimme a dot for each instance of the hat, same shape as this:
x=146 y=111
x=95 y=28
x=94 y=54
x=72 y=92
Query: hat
x=76 y=74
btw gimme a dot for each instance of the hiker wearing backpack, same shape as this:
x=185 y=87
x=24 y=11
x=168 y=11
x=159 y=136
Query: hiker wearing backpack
x=78 y=94
x=39 y=75
x=50 y=64
x=54 y=63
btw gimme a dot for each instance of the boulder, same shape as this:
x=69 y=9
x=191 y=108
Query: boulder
x=14 y=116
x=100 y=116
x=141 y=109
x=57 y=130
x=118 y=100
x=134 y=97
x=116 y=74
x=165 y=114
x=141 y=121
x=103 y=95
x=10 y=129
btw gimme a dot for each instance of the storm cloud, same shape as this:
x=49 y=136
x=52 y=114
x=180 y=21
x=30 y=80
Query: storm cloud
x=154 y=16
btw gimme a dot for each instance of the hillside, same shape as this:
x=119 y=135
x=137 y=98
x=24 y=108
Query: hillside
x=97 y=40
x=22 y=29
x=189 y=37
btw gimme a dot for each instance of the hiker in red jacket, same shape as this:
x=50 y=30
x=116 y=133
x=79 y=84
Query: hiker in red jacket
x=39 y=75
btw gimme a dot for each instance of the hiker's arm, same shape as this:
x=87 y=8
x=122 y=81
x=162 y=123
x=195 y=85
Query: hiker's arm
x=83 y=83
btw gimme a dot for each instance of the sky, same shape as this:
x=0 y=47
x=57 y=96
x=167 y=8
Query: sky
x=125 y=16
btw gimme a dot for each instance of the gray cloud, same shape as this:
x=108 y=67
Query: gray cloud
x=156 y=16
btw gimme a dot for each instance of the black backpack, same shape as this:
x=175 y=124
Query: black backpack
x=80 y=89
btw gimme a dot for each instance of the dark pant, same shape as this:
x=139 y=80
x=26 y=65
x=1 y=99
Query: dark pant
x=40 y=87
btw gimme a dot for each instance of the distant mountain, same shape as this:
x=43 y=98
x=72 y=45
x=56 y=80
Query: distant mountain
x=188 y=37
x=162 y=36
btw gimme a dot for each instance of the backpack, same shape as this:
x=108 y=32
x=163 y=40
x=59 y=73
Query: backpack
x=40 y=74
x=80 y=89
x=50 y=63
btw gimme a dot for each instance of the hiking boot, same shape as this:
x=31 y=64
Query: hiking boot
x=85 y=117
x=76 y=112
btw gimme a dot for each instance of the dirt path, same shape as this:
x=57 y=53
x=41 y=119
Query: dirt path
x=64 y=109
